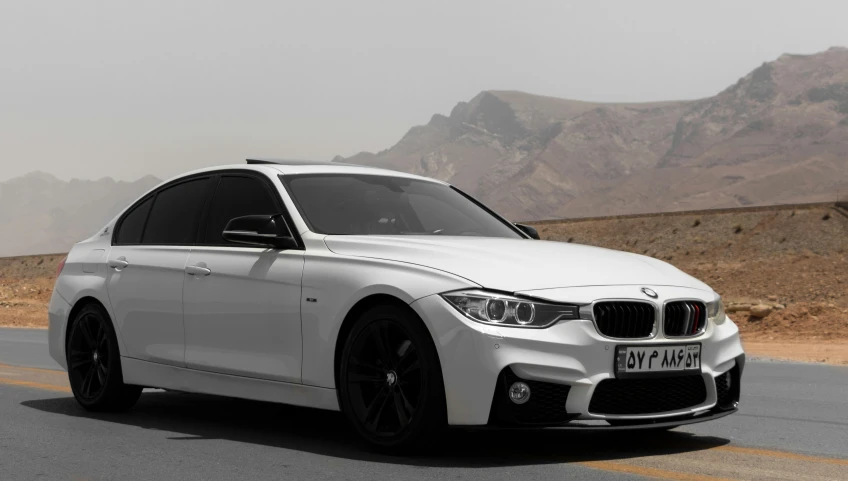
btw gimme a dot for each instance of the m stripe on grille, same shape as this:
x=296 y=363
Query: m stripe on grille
x=684 y=318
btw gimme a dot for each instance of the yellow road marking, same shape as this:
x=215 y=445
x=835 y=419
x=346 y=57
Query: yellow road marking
x=37 y=369
x=782 y=454
x=37 y=385
x=650 y=472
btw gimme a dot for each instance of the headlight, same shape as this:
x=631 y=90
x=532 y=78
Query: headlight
x=715 y=311
x=503 y=310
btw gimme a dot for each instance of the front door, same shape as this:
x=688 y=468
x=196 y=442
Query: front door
x=242 y=303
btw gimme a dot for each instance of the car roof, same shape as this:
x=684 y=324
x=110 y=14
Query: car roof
x=266 y=161
x=286 y=167
x=294 y=167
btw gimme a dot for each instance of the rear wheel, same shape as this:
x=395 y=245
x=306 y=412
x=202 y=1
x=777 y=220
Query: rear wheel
x=94 y=363
x=390 y=383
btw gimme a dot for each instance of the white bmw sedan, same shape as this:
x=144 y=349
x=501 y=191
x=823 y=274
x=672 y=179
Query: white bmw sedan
x=396 y=299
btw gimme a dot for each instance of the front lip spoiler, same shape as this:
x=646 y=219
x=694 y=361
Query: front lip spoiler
x=670 y=423
x=654 y=425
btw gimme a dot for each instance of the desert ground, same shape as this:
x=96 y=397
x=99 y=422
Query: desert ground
x=26 y=284
x=782 y=271
x=787 y=264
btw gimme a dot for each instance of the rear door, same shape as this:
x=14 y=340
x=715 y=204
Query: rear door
x=146 y=269
x=242 y=303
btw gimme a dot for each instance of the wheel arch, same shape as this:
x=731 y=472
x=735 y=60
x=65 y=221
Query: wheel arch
x=77 y=307
x=362 y=306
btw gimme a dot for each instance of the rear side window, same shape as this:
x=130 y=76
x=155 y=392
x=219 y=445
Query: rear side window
x=176 y=214
x=132 y=226
x=237 y=196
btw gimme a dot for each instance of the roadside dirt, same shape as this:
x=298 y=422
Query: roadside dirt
x=26 y=284
x=793 y=261
x=831 y=352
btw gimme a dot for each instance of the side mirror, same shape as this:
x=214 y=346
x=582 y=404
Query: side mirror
x=260 y=230
x=530 y=231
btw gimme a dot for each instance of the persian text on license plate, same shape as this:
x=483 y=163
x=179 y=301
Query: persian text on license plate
x=638 y=359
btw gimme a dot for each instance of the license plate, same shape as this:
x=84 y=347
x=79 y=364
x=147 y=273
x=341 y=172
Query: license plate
x=652 y=359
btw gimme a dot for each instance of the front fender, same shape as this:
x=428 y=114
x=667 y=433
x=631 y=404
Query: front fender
x=333 y=284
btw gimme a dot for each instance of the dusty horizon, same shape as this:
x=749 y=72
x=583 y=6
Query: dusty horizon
x=105 y=89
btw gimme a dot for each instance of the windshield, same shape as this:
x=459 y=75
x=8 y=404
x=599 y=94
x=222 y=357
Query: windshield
x=381 y=205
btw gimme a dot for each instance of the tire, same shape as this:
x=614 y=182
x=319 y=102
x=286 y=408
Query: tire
x=94 y=363
x=390 y=380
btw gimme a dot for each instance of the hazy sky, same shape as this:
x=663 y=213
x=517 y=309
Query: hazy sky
x=90 y=89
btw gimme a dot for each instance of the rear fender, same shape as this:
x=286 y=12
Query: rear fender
x=84 y=277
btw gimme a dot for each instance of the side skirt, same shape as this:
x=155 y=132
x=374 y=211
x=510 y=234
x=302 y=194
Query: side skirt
x=151 y=374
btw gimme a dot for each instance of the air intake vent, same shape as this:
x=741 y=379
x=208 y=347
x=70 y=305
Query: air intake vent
x=648 y=396
x=684 y=318
x=625 y=320
x=723 y=392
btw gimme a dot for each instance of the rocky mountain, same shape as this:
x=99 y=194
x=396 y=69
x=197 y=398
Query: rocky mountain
x=778 y=135
x=42 y=214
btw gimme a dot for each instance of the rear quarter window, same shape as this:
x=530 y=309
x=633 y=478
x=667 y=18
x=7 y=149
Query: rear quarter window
x=132 y=225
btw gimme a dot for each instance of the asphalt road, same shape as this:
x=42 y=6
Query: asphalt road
x=793 y=425
x=25 y=347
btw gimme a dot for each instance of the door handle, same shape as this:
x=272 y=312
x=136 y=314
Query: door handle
x=198 y=270
x=119 y=263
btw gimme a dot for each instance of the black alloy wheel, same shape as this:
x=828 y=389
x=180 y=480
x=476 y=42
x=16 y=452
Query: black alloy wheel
x=384 y=377
x=390 y=380
x=94 y=363
x=89 y=356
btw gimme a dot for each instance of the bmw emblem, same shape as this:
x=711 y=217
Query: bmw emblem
x=649 y=292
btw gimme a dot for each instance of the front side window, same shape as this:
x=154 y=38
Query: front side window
x=384 y=205
x=175 y=215
x=237 y=196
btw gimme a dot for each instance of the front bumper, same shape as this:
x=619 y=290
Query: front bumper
x=664 y=423
x=475 y=357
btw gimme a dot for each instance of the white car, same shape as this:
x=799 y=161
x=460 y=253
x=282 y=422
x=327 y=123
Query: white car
x=394 y=298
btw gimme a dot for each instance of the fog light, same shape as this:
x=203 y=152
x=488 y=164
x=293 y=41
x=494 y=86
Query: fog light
x=519 y=393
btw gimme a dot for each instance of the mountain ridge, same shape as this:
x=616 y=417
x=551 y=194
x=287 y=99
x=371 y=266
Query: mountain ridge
x=41 y=213
x=779 y=135
x=536 y=157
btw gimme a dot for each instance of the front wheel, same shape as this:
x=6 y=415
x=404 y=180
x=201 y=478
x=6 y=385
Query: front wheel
x=94 y=363
x=390 y=382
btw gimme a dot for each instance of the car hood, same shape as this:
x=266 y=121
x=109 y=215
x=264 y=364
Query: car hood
x=516 y=264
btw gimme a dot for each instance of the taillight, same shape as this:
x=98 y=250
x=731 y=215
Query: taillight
x=61 y=266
